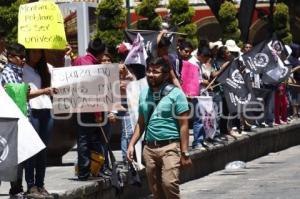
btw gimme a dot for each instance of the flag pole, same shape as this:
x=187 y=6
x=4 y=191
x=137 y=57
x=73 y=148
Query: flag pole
x=177 y=33
x=271 y=8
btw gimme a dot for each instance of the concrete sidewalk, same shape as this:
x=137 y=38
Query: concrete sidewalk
x=62 y=182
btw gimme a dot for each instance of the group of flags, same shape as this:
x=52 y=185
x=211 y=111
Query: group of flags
x=267 y=59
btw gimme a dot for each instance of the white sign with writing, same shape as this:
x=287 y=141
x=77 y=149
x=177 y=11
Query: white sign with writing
x=91 y=88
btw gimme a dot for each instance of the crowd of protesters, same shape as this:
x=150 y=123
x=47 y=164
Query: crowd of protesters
x=194 y=71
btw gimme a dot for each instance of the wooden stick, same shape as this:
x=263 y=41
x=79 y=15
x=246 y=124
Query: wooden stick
x=177 y=33
x=295 y=69
x=214 y=86
x=294 y=85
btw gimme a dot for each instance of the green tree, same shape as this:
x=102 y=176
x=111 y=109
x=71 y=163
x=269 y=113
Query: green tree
x=110 y=22
x=151 y=20
x=6 y=2
x=9 y=18
x=181 y=15
x=229 y=22
x=281 y=23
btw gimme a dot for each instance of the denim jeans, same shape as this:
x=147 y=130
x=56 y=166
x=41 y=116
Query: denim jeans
x=88 y=138
x=269 y=102
x=126 y=132
x=16 y=186
x=42 y=122
x=217 y=99
x=198 y=129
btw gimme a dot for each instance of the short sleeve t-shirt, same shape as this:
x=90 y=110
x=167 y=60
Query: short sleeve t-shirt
x=163 y=124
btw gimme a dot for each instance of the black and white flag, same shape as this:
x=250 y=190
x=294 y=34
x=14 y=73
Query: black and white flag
x=8 y=149
x=237 y=89
x=260 y=59
x=150 y=40
x=137 y=54
x=269 y=58
x=283 y=68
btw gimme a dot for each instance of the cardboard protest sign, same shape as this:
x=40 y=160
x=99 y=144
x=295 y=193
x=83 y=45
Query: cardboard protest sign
x=91 y=88
x=41 y=25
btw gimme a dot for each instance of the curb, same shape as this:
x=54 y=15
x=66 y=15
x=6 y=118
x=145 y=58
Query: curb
x=257 y=143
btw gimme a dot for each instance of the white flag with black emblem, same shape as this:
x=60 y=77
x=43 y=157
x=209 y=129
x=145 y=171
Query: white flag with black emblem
x=8 y=149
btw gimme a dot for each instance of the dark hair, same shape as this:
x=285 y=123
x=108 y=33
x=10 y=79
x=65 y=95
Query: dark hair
x=221 y=52
x=204 y=51
x=185 y=44
x=15 y=49
x=96 y=47
x=158 y=61
x=203 y=43
x=164 y=42
x=41 y=68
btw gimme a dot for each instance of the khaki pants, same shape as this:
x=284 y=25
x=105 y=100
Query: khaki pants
x=162 y=168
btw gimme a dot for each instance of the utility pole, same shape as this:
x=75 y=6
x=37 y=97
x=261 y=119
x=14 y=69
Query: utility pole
x=128 y=13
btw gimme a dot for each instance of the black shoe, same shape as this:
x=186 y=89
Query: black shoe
x=83 y=178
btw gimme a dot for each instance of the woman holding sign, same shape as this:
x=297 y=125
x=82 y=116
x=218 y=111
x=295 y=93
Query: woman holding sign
x=36 y=74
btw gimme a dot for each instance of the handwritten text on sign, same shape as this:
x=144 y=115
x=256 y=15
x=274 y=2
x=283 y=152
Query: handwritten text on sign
x=90 y=88
x=41 y=25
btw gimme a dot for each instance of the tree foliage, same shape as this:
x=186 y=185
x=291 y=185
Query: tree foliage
x=110 y=21
x=229 y=22
x=281 y=23
x=181 y=15
x=9 y=18
x=151 y=20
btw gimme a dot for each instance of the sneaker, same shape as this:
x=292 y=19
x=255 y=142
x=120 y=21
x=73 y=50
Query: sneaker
x=107 y=172
x=264 y=124
x=283 y=122
x=234 y=133
x=45 y=193
x=20 y=195
x=207 y=144
x=199 y=147
x=34 y=192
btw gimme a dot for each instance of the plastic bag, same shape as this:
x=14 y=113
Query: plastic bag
x=235 y=165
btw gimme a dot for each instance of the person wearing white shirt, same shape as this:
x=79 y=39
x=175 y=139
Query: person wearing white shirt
x=37 y=75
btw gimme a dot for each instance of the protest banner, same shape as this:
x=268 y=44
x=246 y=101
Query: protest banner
x=41 y=25
x=91 y=88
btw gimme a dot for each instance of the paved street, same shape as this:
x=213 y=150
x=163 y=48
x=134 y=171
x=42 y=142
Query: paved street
x=275 y=176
